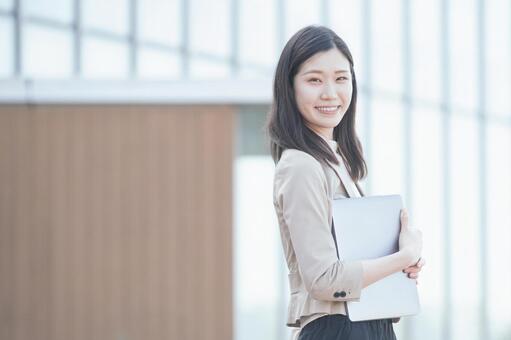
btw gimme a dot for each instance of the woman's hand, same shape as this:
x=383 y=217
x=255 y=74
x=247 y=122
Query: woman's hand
x=410 y=240
x=413 y=271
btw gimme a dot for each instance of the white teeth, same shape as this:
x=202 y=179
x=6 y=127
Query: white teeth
x=327 y=109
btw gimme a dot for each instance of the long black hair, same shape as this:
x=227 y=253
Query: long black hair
x=286 y=127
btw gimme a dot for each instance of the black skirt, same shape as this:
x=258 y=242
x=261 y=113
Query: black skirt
x=340 y=327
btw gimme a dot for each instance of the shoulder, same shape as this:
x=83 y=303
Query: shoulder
x=299 y=178
x=296 y=160
x=298 y=165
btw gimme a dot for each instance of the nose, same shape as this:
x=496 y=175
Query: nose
x=328 y=92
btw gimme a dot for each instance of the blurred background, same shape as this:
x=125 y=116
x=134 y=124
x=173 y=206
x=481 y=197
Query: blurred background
x=136 y=182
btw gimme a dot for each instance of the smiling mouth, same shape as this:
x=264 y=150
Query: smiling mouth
x=328 y=109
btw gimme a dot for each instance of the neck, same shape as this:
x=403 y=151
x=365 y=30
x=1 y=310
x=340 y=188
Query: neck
x=325 y=137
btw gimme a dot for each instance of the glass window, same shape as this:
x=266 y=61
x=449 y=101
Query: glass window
x=386 y=38
x=299 y=13
x=499 y=233
x=361 y=129
x=111 y=16
x=158 y=64
x=258 y=46
x=60 y=10
x=257 y=311
x=387 y=147
x=345 y=19
x=250 y=72
x=202 y=68
x=6 y=4
x=464 y=227
x=425 y=53
x=47 y=52
x=361 y=119
x=160 y=21
x=6 y=48
x=103 y=58
x=463 y=54
x=426 y=213
x=210 y=27
x=498 y=57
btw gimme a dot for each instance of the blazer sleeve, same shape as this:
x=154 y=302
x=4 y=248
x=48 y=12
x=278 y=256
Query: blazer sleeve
x=301 y=194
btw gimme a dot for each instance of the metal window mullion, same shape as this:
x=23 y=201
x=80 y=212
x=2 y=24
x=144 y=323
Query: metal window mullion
x=235 y=38
x=154 y=45
x=407 y=126
x=185 y=38
x=367 y=81
x=133 y=38
x=104 y=34
x=482 y=125
x=18 y=32
x=42 y=21
x=280 y=20
x=407 y=99
x=77 y=43
x=446 y=151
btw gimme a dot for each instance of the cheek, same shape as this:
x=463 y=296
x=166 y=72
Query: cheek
x=346 y=94
x=347 y=91
x=310 y=96
x=305 y=97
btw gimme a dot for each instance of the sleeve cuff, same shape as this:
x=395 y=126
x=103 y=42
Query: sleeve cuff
x=354 y=277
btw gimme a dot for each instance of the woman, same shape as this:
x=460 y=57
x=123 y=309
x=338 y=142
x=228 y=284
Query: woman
x=313 y=143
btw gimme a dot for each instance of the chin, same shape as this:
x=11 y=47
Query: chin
x=330 y=123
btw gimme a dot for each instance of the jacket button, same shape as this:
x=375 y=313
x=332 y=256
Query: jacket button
x=340 y=294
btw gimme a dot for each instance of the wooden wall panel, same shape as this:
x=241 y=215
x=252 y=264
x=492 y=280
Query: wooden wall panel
x=116 y=222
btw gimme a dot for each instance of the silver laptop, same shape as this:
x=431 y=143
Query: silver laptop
x=367 y=228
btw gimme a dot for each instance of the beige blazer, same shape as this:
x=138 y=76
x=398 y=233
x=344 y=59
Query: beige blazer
x=302 y=196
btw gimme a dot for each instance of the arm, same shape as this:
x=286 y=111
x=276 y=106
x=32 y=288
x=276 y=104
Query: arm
x=377 y=269
x=302 y=199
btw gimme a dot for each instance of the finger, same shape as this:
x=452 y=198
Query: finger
x=421 y=263
x=412 y=270
x=413 y=275
x=418 y=263
x=415 y=267
x=404 y=218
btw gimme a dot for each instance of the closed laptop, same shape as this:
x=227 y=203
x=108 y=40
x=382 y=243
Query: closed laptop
x=368 y=228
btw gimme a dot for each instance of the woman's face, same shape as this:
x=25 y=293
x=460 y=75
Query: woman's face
x=323 y=88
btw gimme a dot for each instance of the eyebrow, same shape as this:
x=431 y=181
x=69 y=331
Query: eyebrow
x=318 y=71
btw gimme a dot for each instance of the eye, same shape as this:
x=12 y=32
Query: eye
x=313 y=79
x=343 y=78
